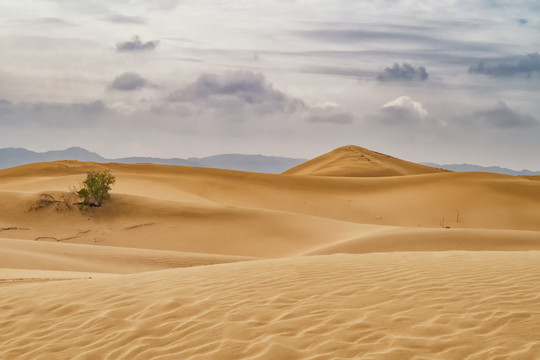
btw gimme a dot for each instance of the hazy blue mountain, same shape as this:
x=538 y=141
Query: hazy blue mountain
x=153 y=160
x=255 y=163
x=10 y=157
x=491 y=169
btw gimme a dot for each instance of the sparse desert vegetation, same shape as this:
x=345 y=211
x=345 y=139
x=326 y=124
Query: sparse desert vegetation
x=95 y=188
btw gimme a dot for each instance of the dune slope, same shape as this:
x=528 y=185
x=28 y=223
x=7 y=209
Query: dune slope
x=58 y=256
x=418 y=239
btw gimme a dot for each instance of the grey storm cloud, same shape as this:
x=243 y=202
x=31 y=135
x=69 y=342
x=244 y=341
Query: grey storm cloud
x=503 y=117
x=242 y=91
x=429 y=40
x=51 y=114
x=128 y=82
x=124 y=19
x=137 y=45
x=405 y=72
x=524 y=65
x=239 y=88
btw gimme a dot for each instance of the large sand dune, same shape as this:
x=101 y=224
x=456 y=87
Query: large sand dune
x=356 y=161
x=378 y=259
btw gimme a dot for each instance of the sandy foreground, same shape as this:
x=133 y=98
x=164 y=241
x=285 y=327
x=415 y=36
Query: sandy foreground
x=190 y=263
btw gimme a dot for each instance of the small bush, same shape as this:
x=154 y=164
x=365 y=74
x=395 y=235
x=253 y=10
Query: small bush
x=48 y=200
x=95 y=189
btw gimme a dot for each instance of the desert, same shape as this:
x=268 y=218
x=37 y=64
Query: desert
x=274 y=180
x=354 y=254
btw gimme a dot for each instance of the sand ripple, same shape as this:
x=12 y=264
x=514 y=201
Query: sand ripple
x=447 y=305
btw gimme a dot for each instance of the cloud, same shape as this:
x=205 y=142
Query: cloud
x=137 y=45
x=338 y=71
x=240 y=89
x=51 y=114
x=53 y=21
x=406 y=72
x=4 y=104
x=329 y=112
x=355 y=35
x=531 y=5
x=503 y=117
x=427 y=38
x=523 y=65
x=124 y=19
x=245 y=95
x=406 y=103
x=123 y=108
x=224 y=105
x=128 y=82
x=402 y=110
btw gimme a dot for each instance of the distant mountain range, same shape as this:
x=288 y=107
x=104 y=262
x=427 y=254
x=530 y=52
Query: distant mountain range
x=10 y=157
x=491 y=169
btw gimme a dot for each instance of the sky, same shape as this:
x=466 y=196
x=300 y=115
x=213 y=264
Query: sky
x=450 y=81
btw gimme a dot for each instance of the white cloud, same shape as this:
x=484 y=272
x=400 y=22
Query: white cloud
x=329 y=112
x=406 y=104
x=327 y=105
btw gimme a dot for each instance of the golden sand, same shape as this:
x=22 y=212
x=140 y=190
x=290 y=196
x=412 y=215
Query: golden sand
x=390 y=260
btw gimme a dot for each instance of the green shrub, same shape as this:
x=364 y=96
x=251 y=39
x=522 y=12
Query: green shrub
x=95 y=189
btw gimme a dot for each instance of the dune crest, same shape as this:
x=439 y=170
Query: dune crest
x=355 y=161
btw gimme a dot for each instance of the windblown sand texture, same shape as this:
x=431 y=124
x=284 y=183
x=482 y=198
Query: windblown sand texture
x=338 y=258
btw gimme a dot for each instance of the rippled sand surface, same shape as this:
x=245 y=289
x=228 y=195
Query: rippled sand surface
x=429 y=305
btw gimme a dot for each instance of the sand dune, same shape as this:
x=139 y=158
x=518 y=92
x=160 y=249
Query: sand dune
x=402 y=305
x=410 y=239
x=356 y=161
x=129 y=221
x=461 y=200
x=18 y=254
x=378 y=259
